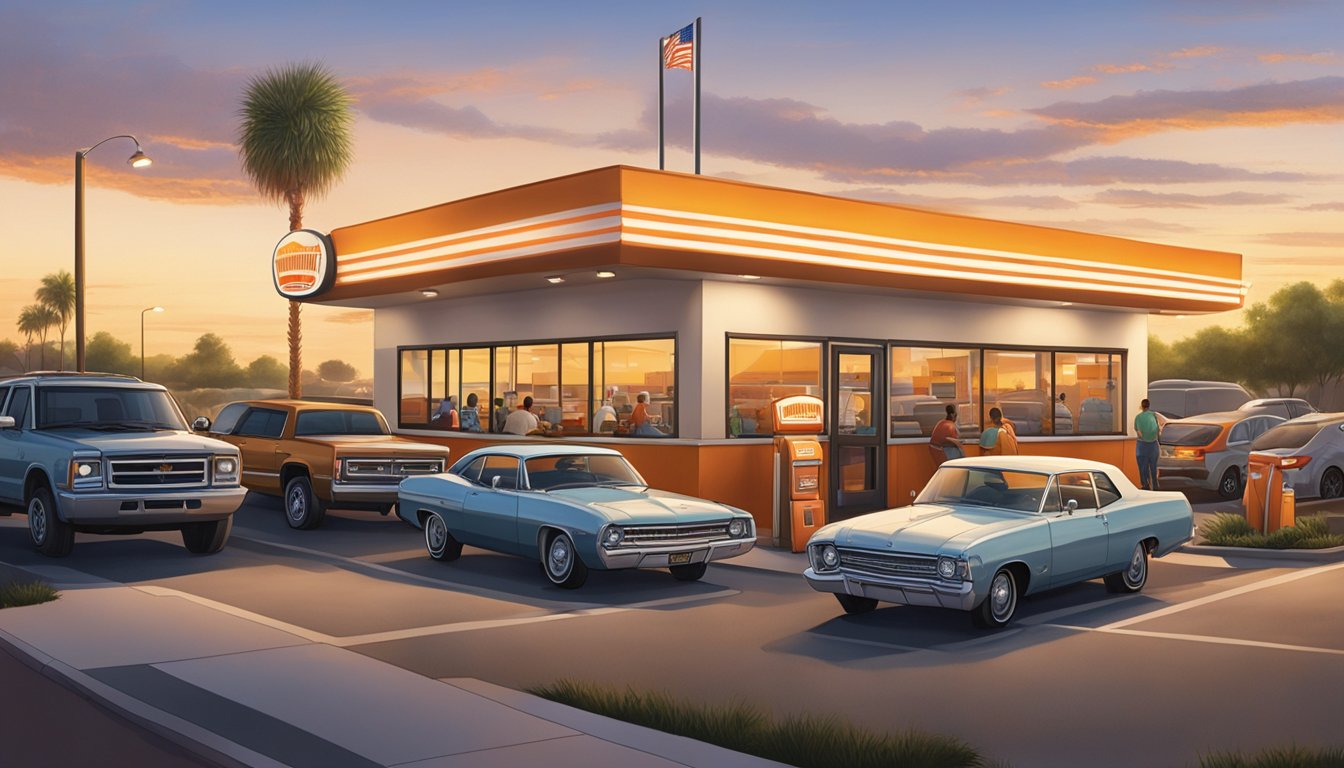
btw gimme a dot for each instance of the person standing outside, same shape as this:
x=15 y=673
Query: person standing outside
x=943 y=442
x=1147 y=425
x=999 y=438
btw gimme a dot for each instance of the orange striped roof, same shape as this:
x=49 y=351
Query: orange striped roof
x=633 y=217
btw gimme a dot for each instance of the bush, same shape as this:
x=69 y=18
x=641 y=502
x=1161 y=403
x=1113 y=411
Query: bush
x=1282 y=757
x=14 y=594
x=804 y=741
x=1229 y=530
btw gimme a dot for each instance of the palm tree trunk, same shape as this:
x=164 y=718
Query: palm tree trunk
x=295 y=325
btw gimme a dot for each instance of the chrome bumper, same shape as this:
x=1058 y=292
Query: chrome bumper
x=131 y=509
x=936 y=594
x=657 y=557
x=377 y=493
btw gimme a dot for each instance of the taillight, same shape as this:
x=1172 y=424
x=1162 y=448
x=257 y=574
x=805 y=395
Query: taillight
x=1189 y=453
x=1294 y=462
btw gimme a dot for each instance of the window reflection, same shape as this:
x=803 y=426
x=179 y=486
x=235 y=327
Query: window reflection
x=763 y=370
x=925 y=380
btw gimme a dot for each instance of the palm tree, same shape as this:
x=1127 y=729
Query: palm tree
x=36 y=320
x=295 y=145
x=29 y=324
x=58 y=293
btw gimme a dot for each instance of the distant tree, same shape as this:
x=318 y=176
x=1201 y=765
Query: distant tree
x=57 y=292
x=107 y=354
x=266 y=372
x=10 y=359
x=295 y=144
x=209 y=364
x=36 y=320
x=1163 y=362
x=1295 y=337
x=158 y=367
x=1213 y=353
x=337 y=371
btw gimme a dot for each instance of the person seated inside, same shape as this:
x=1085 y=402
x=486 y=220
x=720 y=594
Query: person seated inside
x=604 y=418
x=522 y=421
x=471 y=416
x=446 y=416
x=641 y=424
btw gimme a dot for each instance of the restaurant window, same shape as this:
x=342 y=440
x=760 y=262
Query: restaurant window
x=505 y=390
x=628 y=368
x=925 y=380
x=537 y=375
x=414 y=402
x=575 y=395
x=476 y=381
x=763 y=370
x=1087 y=400
x=1018 y=383
x=439 y=388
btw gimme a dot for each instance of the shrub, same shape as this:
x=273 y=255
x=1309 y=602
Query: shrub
x=1281 y=757
x=1229 y=530
x=804 y=741
x=14 y=594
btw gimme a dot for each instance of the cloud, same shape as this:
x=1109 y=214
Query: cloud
x=1267 y=104
x=1304 y=239
x=1141 y=198
x=1121 y=69
x=974 y=97
x=1070 y=83
x=1322 y=207
x=954 y=203
x=1324 y=57
x=1197 y=52
x=1137 y=228
x=350 y=317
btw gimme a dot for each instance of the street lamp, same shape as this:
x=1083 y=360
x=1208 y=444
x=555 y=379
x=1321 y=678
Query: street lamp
x=142 y=336
x=137 y=160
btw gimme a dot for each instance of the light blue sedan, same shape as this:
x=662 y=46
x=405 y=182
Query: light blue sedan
x=574 y=508
x=987 y=531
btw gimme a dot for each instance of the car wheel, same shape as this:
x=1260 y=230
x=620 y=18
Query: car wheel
x=49 y=534
x=208 y=537
x=998 y=607
x=387 y=509
x=856 y=604
x=1332 y=483
x=1229 y=487
x=689 y=572
x=303 y=510
x=562 y=564
x=1135 y=574
x=438 y=541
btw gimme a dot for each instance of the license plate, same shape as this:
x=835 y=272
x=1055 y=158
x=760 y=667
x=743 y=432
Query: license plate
x=679 y=558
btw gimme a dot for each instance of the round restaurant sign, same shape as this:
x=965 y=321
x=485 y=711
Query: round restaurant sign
x=303 y=264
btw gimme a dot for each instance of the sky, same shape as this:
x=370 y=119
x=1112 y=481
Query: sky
x=1214 y=124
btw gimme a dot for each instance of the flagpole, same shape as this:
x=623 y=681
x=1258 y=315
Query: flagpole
x=662 y=42
x=695 y=108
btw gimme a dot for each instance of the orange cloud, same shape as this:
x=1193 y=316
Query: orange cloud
x=189 y=142
x=1304 y=239
x=1070 y=83
x=1325 y=57
x=1195 y=53
x=1120 y=69
x=181 y=189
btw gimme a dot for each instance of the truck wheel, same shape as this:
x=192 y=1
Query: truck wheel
x=206 y=538
x=50 y=536
x=303 y=510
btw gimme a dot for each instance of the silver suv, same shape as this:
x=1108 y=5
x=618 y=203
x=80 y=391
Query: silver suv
x=98 y=453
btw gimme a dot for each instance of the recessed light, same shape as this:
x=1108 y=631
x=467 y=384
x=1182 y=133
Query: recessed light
x=605 y=274
x=555 y=279
x=428 y=293
x=750 y=277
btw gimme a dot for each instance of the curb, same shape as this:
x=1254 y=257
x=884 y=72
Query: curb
x=1331 y=555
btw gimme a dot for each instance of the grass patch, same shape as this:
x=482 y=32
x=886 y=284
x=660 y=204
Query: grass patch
x=1282 y=757
x=18 y=593
x=1229 y=530
x=803 y=741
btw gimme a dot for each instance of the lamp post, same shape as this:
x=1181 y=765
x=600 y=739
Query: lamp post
x=142 y=337
x=137 y=160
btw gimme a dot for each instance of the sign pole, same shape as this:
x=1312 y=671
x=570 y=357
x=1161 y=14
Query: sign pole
x=662 y=42
x=695 y=108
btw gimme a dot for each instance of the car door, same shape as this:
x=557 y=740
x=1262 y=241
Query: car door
x=11 y=445
x=1077 y=537
x=490 y=509
x=258 y=439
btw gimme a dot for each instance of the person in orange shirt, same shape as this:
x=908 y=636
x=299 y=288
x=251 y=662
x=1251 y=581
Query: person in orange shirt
x=943 y=443
x=1000 y=437
x=640 y=425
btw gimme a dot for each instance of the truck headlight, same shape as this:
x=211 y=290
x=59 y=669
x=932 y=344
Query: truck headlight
x=825 y=557
x=613 y=537
x=86 y=473
x=226 y=469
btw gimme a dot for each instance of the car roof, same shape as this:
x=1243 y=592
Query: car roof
x=71 y=377
x=1324 y=419
x=533 y=450
x=1223 y=418
x=1193 y=384
x=1259 y=401
x=307 y=405
x=1048 y=464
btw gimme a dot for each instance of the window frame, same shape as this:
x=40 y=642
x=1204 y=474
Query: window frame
x=824 y=351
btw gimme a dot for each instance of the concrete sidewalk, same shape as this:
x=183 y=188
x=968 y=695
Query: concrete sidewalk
x=238 y=692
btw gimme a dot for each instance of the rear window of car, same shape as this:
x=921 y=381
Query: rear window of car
x=1289 y=435
x=1189 y=434
x=338 y=423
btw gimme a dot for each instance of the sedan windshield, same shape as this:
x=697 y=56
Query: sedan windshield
x=1291 y=435
x=546 y=473
x=108 y=409
x=985 y=487
x=339 y=423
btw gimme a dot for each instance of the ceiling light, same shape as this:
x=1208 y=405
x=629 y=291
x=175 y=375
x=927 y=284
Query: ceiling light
x=428 y=293
x=605 y=274
x=1066 y=303
x=750 y=277
x=555 y=279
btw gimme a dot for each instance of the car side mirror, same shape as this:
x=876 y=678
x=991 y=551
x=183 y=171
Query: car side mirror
x=6 y=422
x=201 y=424
x=1071 y=506
x=494 y=481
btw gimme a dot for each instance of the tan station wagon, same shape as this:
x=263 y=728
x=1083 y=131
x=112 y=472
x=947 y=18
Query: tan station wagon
x=316 y=455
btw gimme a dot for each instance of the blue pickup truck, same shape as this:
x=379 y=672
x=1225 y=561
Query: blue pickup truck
x=99 y=453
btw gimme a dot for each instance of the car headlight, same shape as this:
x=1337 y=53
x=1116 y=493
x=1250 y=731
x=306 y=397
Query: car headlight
x=737 y=527
x=86 y=473
x=226 y=469
x=951 y=568
x=613 y=536
x=825 y=557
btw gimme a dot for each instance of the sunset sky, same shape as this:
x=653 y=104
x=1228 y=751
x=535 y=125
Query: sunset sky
x=1207 y=123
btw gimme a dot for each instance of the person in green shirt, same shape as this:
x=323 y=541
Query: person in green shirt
x=1147 y=426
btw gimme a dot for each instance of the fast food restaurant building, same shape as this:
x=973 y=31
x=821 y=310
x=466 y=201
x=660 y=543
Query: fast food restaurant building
x=713 y=297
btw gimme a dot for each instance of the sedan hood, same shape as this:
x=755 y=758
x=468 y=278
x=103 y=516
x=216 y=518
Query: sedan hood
x=382 y=443
x=126 y=443
x=925 y=528
x=630 y=505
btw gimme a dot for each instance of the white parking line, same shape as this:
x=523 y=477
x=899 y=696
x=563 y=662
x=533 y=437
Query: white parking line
x=1199 y=561
x=1204 y=639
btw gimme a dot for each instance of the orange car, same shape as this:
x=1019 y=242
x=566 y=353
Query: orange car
x=317 y=455
x=1209 y=451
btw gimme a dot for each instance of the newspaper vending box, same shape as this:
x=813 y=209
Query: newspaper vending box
x=800 y=510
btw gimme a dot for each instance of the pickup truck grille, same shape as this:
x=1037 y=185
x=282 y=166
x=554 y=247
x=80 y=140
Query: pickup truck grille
x=654 y=535
x=388 y=470
x=887 y=563
x=158 y=472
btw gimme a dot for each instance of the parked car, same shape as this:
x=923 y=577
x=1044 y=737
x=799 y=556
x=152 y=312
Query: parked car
x=1283 y=407
x=1178 y=398
x=319 y=455
x=100 y=453
x=987 y=531
x=574 y=508
x=1317 y=442
x=1209 y=451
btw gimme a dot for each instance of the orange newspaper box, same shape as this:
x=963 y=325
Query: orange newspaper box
x=1269 y=500
x=801 y=510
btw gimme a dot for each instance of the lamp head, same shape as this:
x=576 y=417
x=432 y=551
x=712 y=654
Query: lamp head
x=139 y=159
x=156 y=309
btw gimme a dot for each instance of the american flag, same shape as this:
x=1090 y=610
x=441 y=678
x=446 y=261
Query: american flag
x=678 y=50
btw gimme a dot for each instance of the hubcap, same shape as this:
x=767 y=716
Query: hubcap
x=1001 y=597
x=437 y=533
x=558 y=560
x=37 y=520
x=1229 y=484
x=297 y=503
x=1333 y=485
x=1137 y=564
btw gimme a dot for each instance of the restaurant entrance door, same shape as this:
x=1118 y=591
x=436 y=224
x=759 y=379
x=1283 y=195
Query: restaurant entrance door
x=857 y=430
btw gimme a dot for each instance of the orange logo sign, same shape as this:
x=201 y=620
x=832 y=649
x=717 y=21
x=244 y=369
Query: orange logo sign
x=303 y=264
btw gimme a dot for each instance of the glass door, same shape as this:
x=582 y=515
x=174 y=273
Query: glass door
x=858 y=438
